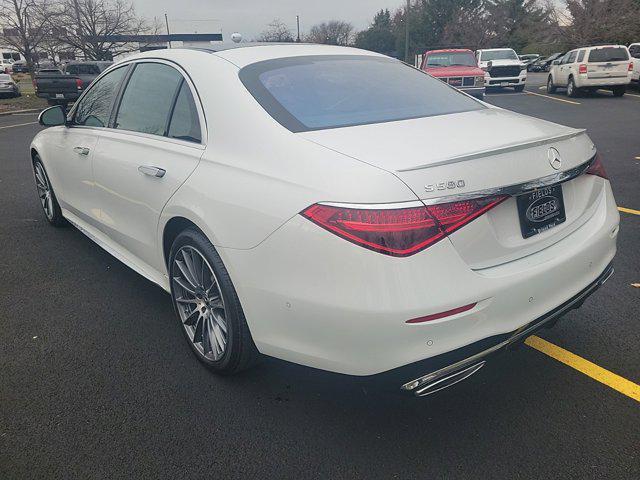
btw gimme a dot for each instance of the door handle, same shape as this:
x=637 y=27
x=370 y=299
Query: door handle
x=152 y=171
x=81 y=150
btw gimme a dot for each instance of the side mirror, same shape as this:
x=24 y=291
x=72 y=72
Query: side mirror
x=52 y=117
x=556 y=62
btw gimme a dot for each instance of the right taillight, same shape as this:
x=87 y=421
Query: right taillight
x=631 y=66
x=582 y=68
x=399 y=232
x=597 y=168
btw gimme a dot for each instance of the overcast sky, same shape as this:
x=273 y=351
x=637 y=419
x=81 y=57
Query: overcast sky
x=250 y=17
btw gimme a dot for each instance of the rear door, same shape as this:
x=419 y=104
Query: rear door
x=156 y=142
x=608 y=62
x=563 y=70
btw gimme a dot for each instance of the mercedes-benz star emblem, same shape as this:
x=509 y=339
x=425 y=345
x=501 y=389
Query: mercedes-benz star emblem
x=554 y=158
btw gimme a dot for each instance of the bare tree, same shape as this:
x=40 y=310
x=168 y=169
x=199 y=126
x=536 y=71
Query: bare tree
x=26 y=24
x=276 y=31
x=88 y=24
x=335 y=32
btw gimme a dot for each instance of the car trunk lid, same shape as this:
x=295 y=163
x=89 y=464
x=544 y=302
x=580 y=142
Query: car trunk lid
x=466 y=154
x=608 y=62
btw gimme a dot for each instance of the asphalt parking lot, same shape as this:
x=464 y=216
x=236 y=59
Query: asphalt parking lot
x=97 y=381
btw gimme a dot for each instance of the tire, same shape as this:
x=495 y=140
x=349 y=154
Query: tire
x=572 y=90
x=619 y=91
x=48 y=200
x=519 y=88
x=551 y=88
x=211 y=303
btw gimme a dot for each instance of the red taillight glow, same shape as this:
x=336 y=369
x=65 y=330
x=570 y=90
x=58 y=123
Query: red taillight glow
x=399 y=232
x=597 y=168
x=79 y=83
x=631 y=66
x=582 y=69
x=448 y=313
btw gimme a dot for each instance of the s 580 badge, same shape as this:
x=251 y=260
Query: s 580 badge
x=449 y=185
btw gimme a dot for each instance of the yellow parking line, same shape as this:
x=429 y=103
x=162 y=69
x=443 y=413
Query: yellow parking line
x=552 y=98
x=610 y=379
x=629 y=210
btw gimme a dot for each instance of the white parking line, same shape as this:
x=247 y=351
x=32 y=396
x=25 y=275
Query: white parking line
x=632 y=95
x=18 y=125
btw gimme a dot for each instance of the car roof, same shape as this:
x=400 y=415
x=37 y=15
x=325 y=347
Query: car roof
x=243 y=54
x=494 y=49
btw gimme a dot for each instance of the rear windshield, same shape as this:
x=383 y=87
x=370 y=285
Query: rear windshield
x=488 y=55
x=608 y=54
x=320 y=92
x=452 y=59
x=83 y=69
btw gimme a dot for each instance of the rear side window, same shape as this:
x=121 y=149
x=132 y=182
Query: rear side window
x=185 y=124
x=331 y=91
x=580 y=56
x=608 y=54
x=94 y=108
x=148 y=99
x=572 y=57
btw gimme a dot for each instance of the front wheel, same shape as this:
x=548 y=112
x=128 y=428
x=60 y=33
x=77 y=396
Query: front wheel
x=551 y=88
x=48 y=200
x=207 y=305
x=619 y=91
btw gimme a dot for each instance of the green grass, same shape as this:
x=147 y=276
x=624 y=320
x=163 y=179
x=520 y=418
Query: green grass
x=25 y=102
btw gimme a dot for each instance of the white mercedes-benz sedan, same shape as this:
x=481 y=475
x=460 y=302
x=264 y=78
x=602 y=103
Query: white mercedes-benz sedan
x=331 y=207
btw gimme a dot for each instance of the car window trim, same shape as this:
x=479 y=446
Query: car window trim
x=185 y=78
x=173 y=107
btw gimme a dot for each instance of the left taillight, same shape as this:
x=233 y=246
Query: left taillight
x=399 y=232
x=631 y=66
x=79 y=83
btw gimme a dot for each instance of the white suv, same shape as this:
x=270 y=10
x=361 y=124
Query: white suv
x=591 y=68
x=634 y=51
x=503 y=68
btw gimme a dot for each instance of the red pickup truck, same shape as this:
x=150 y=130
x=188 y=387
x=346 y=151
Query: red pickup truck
x=457 y=67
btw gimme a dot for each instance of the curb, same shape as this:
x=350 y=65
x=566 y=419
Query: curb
x=11 y=112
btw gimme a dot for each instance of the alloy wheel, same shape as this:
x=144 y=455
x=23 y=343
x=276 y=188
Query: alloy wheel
x=199 y=302
x=44 y=190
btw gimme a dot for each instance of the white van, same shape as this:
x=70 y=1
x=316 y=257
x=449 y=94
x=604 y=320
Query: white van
x=634 y=51
x=592 y=68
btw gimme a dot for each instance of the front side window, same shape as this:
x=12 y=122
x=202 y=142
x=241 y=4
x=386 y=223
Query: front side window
x=608 y=54
x=331 y=91
x=94 y=108
x=148 y=98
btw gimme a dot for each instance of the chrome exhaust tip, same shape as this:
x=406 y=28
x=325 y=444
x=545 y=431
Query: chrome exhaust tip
x=433 y=383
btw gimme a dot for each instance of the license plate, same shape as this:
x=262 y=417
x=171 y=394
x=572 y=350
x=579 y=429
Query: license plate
x=59 y=95
x=504 y=84
x=541 y=210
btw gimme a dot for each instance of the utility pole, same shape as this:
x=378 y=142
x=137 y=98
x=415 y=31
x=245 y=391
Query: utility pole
x=298 y=23
x=406 y=32
x=166 y=21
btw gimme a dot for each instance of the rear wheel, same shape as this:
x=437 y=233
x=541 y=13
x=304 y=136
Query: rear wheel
x=48 y=199
x=619 y=91
x=572 y=91
x=207 y=305
x=551 y=88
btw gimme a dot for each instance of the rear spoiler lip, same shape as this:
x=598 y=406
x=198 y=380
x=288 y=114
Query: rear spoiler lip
x=497 y=151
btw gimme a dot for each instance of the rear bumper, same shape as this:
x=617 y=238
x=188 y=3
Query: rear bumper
x=470 y=359
x=66 y=96
x=312 y=298
x=584 y=82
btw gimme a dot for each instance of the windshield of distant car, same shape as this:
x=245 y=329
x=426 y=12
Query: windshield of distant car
x=319 y=92
x=608 y=54
x=451 y=59
x=507 y=54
